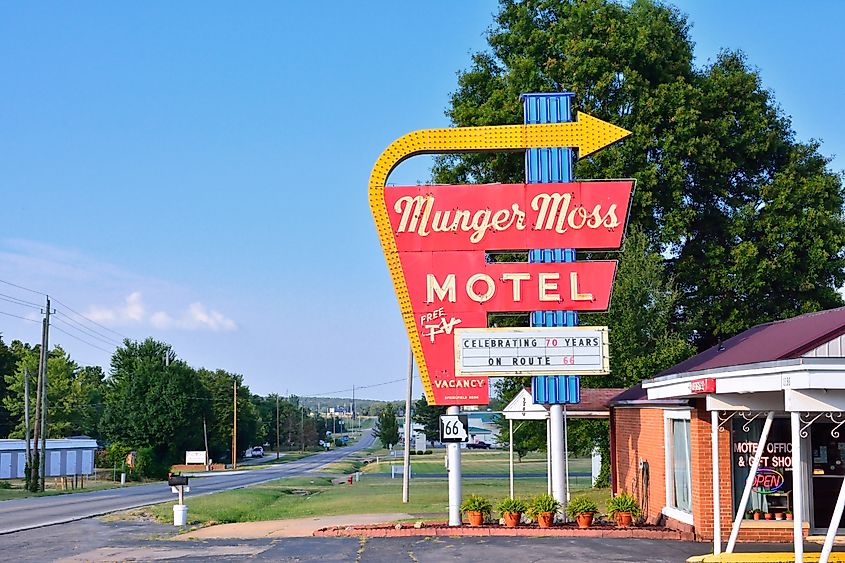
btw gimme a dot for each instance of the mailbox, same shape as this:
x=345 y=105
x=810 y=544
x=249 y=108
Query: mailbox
x=177 y=480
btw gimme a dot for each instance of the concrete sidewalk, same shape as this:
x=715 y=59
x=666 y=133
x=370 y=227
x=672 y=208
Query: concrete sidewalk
x=295 y=528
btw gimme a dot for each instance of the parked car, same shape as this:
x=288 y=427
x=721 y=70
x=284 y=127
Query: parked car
x=479 y=445
x=257 y=451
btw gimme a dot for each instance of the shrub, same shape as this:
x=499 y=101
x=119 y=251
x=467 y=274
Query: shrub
x=5 y=485
x=542 y=503
x=151 y=465
x=512 y=505
x=581 y=505
x=623 y=502
x=477 y=503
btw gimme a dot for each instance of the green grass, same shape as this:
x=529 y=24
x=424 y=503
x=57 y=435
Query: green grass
x=17 y=490
x=485 y=461
x=286 y=498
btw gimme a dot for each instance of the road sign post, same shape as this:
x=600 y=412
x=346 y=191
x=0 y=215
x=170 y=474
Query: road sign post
x=454 y=429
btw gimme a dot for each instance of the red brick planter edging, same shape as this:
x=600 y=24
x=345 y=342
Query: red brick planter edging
x=564 y=531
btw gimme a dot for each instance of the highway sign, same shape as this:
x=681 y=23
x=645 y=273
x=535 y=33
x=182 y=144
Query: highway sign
x=454 y=428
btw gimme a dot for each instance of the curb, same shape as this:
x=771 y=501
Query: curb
x=763 y=557
x=441 y=529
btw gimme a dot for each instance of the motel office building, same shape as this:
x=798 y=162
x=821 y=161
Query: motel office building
x=786 y=377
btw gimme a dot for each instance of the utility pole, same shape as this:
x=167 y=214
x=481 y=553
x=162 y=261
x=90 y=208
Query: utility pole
x=302 y=426
x=278 y=454
x=45 y=355
x=235 y=426
x=34 y=471
x=26 y=415
x=353 y=408
x=205 y=436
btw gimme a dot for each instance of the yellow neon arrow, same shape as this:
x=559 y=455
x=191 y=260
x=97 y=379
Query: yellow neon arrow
x=587 y=134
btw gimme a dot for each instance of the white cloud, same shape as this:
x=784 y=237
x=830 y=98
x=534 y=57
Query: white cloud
x=133 y=311
x=77 y=278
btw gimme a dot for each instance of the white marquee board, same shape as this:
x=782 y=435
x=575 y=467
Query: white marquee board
x=502 y=352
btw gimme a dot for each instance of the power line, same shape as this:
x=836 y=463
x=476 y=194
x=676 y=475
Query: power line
x=23 y=288
x=362 y=387
x=13 y=299
x=87 y=333
x=18 y=317
x=89 y=319
x=82 y=340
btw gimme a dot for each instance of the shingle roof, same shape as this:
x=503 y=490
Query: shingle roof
x=595 y=398
x=778 y=340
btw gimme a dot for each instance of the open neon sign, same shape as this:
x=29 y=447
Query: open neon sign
x=767 y=481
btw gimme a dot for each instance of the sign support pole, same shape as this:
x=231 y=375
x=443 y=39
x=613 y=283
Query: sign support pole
x=548 y=456
x=454 y=459
x=406 y=463
x=546 y=164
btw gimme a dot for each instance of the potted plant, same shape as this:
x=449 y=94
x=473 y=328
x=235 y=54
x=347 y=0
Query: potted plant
x=757 y=513
x=624 y=508
x=542 y=508
x=749 y=514
x=581 y=509
x=789 y=515
x=768 y=516
x=477 y=508
x=511 y=510
x=778 y=515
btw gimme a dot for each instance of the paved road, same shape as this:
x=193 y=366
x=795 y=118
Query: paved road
x=34 y=512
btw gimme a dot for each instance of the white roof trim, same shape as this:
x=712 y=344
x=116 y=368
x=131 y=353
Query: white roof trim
x=801 y=373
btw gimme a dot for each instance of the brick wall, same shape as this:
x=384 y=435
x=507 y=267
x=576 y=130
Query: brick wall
x=638 y=435
x=702 y=475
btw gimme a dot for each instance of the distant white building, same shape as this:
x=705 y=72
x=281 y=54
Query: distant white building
x=483 y=427
x=65 y=457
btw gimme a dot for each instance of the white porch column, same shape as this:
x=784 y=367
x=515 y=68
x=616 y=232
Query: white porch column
x=752 y=472
x=717 y=511
x=797 y=489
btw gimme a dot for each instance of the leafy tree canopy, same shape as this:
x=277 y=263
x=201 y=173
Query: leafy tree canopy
x=748 y=218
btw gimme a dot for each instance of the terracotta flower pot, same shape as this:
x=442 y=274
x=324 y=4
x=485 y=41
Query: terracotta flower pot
x=756 y=515
x=546 y=519
x=789 y=516
x=512 y=519
x=475 y=518
x=779 y=516
x=585 y=519
x=624 y=519
x=768 y=516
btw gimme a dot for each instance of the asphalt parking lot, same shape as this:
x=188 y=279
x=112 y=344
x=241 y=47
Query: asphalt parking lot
x=108 y=540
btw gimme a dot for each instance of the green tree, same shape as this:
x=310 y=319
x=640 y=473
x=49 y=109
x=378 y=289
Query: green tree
x=387 y=427
x=644 y=337
x=748 y=218
x=429 y=417
x=153 y=400
x=73 y=394
x=9 y=358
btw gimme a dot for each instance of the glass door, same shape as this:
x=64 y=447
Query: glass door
x=828 y=462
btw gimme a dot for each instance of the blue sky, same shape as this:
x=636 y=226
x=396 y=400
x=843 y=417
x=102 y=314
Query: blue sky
x=197 y=173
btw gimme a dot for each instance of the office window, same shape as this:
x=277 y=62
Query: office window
x=678 y=466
